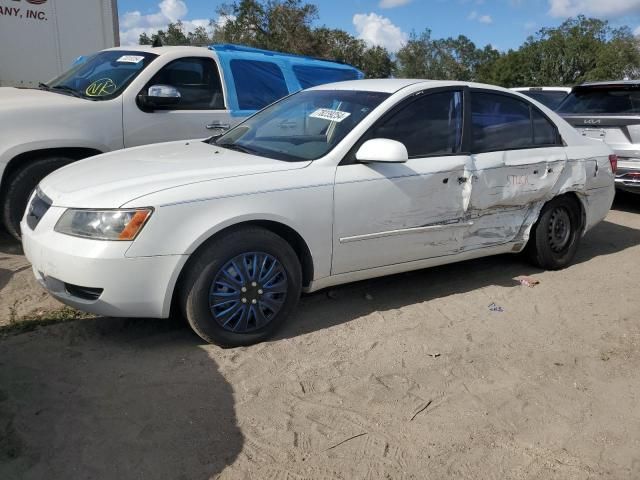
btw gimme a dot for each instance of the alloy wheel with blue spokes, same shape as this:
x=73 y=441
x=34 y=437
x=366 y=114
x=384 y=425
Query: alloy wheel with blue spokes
x=248 y=292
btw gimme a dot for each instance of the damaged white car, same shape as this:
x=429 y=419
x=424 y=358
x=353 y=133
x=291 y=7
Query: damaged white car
x=334 y=184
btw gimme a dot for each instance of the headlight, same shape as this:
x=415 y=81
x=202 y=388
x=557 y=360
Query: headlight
x=103 y=224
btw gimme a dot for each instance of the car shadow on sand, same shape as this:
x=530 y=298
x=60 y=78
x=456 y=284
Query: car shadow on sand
x=344 y=303
x=114 y=398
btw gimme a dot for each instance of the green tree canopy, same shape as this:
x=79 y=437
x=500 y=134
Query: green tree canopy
x=580 y=49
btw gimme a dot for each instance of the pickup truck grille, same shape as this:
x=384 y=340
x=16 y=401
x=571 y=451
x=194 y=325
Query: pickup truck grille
x=39 y=205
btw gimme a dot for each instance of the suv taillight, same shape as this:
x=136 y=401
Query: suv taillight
x=613 y=159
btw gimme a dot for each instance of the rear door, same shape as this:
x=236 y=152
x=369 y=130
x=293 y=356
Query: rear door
x=518 y=157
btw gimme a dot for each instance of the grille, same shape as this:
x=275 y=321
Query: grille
x=39 y=205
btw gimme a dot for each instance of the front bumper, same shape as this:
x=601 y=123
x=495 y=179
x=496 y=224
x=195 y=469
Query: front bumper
x=628 y=175
x=96 y=276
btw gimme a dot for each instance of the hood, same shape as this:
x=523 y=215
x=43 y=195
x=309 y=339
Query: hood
x=113 y=179
x=21 y=98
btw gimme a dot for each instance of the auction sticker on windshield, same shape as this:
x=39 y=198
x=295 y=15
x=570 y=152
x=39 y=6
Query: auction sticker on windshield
x=130 y=59
x=331 y=115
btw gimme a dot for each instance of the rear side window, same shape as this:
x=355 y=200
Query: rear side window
x=501 y=122
x=431 y=125
x=198 y=81
x=258 y=84
x=310 y=76
x=617 y=100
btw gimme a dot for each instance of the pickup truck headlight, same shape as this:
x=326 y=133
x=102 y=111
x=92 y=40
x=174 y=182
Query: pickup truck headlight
x=119 y=224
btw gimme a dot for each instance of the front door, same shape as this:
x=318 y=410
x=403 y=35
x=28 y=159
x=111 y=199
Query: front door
x=394 y=213
x=199 y=113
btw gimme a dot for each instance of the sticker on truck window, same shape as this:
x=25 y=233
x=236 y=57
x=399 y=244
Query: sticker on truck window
x=331 y=115
x=101 y=88
x=130 y=59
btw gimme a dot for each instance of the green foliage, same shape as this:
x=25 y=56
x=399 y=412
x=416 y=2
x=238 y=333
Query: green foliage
x=280 y=25
x=580 y=49
x=443 y=59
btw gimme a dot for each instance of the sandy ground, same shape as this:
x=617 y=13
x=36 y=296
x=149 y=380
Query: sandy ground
x=410 y=376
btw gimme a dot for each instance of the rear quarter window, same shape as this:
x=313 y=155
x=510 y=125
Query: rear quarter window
x=257 y=83
x=311 y=76
x=502 y=122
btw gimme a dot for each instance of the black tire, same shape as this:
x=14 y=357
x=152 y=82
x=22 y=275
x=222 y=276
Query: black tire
x=19 y=187
x=556 y=235
x=211 y=261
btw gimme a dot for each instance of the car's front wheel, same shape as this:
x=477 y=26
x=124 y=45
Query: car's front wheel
x=556 y=235
x=240 y=288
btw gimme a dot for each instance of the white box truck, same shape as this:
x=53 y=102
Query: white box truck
x=39 y=39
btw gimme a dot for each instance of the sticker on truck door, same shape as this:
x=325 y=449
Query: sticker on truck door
x=101 y=88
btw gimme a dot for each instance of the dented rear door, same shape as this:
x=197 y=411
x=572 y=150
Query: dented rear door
x=517 y=159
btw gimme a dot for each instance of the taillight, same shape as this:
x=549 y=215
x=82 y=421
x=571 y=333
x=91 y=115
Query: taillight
x=613 y=159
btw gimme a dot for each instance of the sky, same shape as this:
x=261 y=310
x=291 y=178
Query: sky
x=504 y=24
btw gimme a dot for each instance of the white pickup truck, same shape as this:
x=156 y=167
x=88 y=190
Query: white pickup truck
x=126 y=97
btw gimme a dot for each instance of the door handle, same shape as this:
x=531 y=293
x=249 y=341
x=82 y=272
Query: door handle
x=218 y=126
x=462 y=180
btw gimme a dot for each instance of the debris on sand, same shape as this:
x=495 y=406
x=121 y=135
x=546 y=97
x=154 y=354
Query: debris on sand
x=495 y=308
x=528 y=281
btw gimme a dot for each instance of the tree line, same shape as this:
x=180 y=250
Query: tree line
x=580 y=49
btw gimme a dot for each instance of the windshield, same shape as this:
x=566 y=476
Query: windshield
x=304 y=126
x=607 y=99
x=549 y=98
x=102 y=76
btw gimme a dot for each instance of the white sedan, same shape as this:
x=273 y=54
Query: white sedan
x=331 y=185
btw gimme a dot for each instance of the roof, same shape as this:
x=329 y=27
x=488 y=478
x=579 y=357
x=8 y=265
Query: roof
x=237 y=51
x=542 y=89
x=157 y=50
x=392 y=85
x=612 y=82
x=231 y=48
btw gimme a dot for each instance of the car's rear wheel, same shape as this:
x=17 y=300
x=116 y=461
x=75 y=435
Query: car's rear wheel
x=556 y=235
x=20 y=186
x=240 y=288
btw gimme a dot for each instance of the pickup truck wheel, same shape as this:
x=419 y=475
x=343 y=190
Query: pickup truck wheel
x=556 y=235
x=20 y=186
x=241 y=288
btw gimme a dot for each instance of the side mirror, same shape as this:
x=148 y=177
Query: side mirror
x=382 y=150
x=159 y=96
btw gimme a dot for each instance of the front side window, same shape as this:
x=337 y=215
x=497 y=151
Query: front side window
x=198 y=81
x=606 y=99
x=431 y=125
x=304 y=126
x=102 y=76
x=257 y=83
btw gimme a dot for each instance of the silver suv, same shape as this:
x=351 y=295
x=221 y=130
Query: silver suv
x=610 y=111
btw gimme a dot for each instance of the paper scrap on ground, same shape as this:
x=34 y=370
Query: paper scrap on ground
x=495 y=308
x=528 y=281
